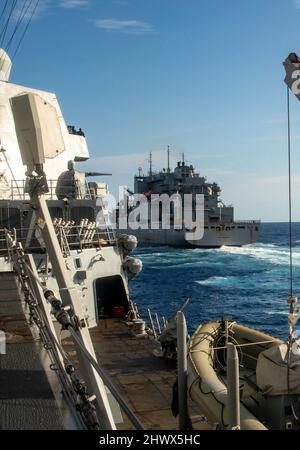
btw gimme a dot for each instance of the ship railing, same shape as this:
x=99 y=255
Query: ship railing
x=70 y=237
x=248 y=222
x=155 y=323
x=18 y=190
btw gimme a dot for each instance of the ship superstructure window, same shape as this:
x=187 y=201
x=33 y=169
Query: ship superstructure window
x=241 y=227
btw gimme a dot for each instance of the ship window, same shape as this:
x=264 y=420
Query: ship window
x=241 y=227
x=227 y=228
x=205 y=228
x=212 y=228
x=233 y=227
x=256 y=228
x=111 y=296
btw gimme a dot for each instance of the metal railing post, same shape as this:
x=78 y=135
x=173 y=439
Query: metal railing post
x=184 y=420
x=152 y=324
x=157 y=323
x=233 y=389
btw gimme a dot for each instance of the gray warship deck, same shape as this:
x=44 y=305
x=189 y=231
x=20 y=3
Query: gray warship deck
x=145 y=380
x=30 y=395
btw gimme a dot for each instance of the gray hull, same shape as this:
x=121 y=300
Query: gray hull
x=215 y=236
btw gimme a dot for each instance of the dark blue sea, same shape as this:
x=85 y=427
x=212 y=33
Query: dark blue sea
x=250 y=284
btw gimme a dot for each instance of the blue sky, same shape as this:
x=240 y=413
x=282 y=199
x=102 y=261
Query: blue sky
x=204 y=77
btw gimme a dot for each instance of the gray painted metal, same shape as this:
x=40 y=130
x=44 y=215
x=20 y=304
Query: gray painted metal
x=184 y=421
x=70 y=297
x=233 y=390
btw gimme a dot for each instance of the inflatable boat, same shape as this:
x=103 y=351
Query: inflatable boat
x=269 y=376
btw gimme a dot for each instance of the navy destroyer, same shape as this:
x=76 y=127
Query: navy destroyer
x=72 y=343
x=220 y=227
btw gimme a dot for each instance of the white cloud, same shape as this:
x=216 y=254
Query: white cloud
x=128 y=163
x=71 y=4
x=125 y=26
x=297 y=3
x=26 y=10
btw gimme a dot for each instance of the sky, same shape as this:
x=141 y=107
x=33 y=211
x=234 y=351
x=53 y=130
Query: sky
x=204 y=77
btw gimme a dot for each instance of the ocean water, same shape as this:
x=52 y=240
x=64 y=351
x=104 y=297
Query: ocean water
x=250 y=284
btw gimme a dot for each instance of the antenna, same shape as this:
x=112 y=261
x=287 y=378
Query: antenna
x=150 y=161
x=168 y=159
x=183 y=158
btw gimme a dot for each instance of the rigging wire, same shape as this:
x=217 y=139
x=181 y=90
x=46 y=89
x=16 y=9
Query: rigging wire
x=6 y=26
x=26 y=28
x=290 y=191
x=23 y=11
x=292 y=299
x=3 y=10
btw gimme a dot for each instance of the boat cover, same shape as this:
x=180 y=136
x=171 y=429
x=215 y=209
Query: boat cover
x=272 y=371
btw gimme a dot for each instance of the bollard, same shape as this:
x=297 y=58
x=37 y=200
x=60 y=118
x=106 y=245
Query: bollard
x=184 y=420
x=233 y=389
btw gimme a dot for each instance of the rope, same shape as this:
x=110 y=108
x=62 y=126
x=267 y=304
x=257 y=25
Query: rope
x=238 y=345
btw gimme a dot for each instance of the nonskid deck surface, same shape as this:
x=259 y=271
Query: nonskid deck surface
x=145 y=380
x=27 y=401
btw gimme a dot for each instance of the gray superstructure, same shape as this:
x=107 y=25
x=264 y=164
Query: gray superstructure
x=220 y=228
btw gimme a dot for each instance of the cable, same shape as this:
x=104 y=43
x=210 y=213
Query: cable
x=22 y=14
x=96 y=366
x=290 y=337
x=290 y=191
x=3 y=10
x=25 y=31
x=6 y=26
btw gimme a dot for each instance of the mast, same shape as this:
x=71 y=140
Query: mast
x=168 y=169
x=183 y=159
x=150 y=162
